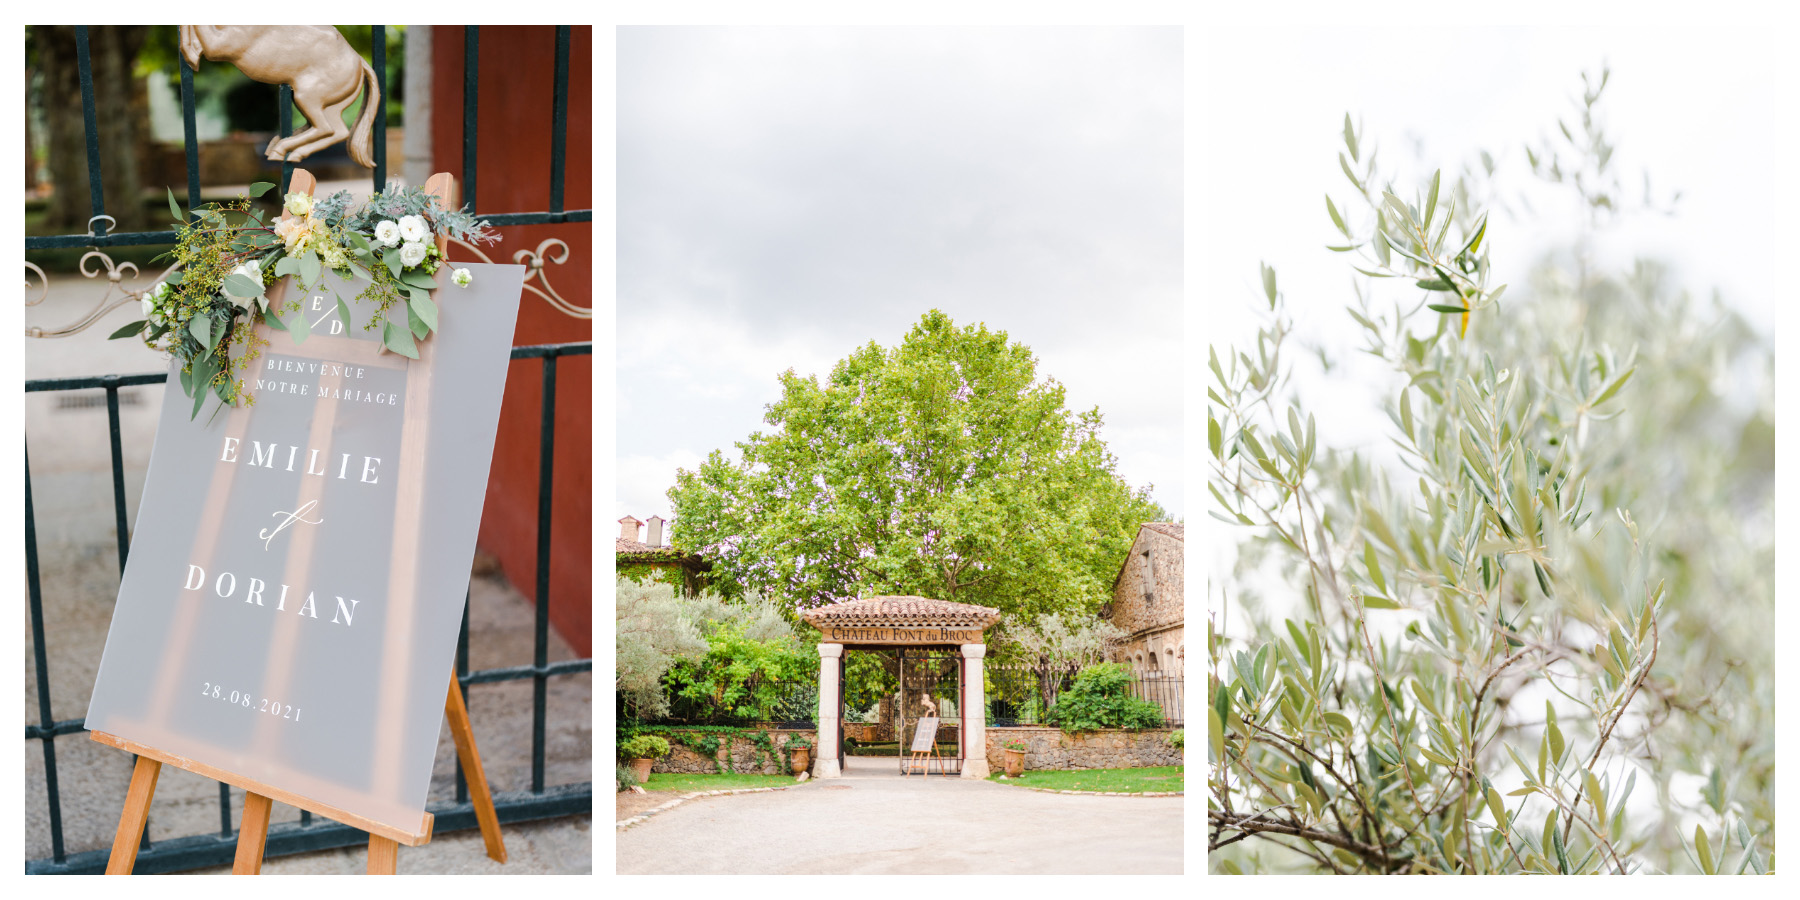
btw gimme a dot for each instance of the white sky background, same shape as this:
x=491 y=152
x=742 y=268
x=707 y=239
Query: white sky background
x=786 y=195
x=1694 y=107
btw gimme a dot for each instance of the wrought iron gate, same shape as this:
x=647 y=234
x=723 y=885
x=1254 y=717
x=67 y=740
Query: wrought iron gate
x=934 y=672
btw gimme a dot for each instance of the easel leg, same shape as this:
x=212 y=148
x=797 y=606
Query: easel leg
x=384 y=855
x=253 y=834
x=133 y=816
x=464 y=735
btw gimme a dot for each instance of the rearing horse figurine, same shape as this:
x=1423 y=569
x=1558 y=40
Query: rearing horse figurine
x=315 y=60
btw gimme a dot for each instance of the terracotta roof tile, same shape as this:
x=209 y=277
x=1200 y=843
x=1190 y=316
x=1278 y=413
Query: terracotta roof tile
x=626 y=545
x=903 y=612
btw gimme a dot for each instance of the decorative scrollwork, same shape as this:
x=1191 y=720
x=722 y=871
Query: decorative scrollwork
x=552 y=250
x=94 y=263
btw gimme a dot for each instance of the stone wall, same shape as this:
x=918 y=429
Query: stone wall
x=1053 y=748
x=746 y=757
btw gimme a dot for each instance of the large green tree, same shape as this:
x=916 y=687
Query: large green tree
x=945 y=467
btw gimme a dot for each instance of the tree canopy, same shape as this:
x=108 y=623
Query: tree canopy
x=945 y=467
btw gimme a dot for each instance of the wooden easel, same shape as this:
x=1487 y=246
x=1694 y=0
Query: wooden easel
x=259 y=798
x=253 y=831
x=926 y=733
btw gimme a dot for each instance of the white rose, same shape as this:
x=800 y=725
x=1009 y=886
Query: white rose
x=412 y=254
x=461 y=278
x=149 y=305
x=387 y=233
x=413 y=230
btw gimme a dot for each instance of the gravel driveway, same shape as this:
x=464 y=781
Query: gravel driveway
x=874 y=822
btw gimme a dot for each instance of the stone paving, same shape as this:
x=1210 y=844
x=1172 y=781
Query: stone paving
x=873 y=821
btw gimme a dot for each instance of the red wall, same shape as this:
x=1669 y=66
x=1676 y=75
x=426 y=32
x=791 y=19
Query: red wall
x=517 y=69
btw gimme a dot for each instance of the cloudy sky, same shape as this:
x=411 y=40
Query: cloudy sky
x=1696 y=108
x=788 y=194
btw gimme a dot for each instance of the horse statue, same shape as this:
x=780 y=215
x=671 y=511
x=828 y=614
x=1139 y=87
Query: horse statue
x=325 y=73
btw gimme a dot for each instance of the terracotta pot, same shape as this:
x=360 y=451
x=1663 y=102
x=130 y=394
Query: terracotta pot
x=801 y=759
x=640 y=769
x=1015 y=763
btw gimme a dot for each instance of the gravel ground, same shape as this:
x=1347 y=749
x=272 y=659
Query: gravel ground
x=872 y=821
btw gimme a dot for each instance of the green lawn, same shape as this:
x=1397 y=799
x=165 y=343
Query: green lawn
x=1133 y=781
x=662 y=781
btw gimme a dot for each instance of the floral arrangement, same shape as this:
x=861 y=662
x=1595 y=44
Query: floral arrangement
x=1016 y=746
x=229 y=257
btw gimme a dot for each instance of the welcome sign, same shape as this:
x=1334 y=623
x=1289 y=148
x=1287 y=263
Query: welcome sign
x=294 y=589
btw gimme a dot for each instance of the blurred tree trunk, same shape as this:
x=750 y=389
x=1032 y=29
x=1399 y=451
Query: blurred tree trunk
x=122 y=116
x=30 y=146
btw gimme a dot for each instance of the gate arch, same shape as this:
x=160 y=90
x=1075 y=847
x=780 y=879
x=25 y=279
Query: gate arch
x=888 y=622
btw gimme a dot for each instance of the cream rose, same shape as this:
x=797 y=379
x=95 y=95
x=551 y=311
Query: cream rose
x=299 y=204
x=412 y=254
x=294 y=233
x=461 y=278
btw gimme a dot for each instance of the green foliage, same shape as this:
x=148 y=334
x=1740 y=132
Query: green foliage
x=945 y=467
x=1058 y=642
x=625 y=778
x=1380 y=714
x=653 y=628
x=1101 y=698
x=869 y=676
x=702 y=659
x=1017 y=746
x=1178 y=738
x=643 y=746
x=747 y=671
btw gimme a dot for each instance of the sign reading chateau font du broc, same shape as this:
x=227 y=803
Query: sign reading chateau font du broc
x=841 y=634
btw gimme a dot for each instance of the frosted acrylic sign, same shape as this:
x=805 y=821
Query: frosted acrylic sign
x=925 y=738
x=296 y=577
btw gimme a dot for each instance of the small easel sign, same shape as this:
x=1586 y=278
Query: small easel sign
x=294 y=590
x=924 y=748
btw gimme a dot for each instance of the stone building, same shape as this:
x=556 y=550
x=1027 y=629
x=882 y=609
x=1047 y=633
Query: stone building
x=650 y=559
x=1147 y=602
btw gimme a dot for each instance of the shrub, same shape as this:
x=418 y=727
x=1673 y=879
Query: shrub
x=1017 y=746
x=643 y=746
x=654 y=628
x=626 y=779
x=739 y=677
x=1099 y=699
x=1178 y=738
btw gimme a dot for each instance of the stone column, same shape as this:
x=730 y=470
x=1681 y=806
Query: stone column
x=831 y=657
x=974 y=713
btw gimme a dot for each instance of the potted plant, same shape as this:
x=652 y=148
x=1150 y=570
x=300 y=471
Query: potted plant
x=643 y=750
x=1015 y=759
x=799 y=753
